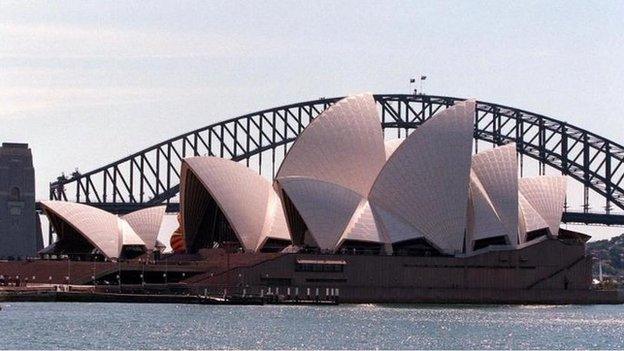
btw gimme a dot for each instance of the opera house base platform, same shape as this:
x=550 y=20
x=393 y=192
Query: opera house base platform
x=524 y=275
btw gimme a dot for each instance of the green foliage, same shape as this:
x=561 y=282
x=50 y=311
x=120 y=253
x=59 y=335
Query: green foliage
x=611 y=252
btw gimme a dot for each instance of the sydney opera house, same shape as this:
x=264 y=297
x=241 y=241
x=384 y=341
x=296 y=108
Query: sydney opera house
x=405 y=220
x=341 y=188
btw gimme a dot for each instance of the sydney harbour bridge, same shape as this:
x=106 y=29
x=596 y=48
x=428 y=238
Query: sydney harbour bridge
x=261 y=139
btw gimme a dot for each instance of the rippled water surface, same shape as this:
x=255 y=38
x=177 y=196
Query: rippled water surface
x=162 y=326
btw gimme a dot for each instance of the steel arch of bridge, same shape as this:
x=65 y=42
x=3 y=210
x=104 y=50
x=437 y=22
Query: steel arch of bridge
x=151 y=176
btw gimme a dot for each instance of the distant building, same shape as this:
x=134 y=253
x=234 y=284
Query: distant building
x=20 y=236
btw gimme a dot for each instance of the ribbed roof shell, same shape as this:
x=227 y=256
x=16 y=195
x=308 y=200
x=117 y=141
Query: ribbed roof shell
x=102 y=229
x=331 y=166
x=325 y=207
x=276 y=226
x=146 y=223
x=127 y=235
x=425 y=181
x=497 y=170
x=546 y=194
x=393 y=228
x=483 y=221
x=244 y=196
x=362 y=226
x=530 y=219
x=343 y=145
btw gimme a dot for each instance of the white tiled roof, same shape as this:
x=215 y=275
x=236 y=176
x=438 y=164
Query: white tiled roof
x=547 y=196
x=425 y=181
x=497 y=170
x=245 y=197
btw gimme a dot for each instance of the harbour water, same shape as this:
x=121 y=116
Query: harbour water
x=168 y=326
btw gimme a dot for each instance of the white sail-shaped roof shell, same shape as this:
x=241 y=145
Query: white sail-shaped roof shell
x=127 y=235
x=343 y=145
x=394 y=229
x=276 y=226
x=325 y=207
x=105 y=231
x=362 y=226
x=332 y=165
x=425 y=181
x=146 y=224
x=483 y=221
x=497 y=170
x=522 y=232
x=246 y=198
x=546 y=194
x=530 y=219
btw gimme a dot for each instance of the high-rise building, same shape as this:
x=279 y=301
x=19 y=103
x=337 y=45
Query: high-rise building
x=19 y=235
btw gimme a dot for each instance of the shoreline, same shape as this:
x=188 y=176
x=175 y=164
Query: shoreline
x=594 y=297
x=116 y=297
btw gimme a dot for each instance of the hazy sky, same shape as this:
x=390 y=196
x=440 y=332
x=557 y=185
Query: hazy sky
x=86 y=83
